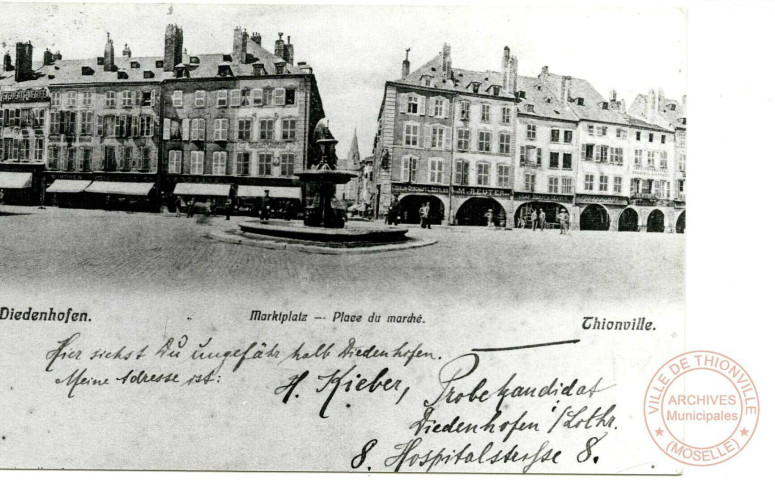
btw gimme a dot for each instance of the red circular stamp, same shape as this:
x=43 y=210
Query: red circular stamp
x=701 y=408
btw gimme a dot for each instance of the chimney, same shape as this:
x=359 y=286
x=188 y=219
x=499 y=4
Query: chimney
x=173 y=47
x=612 y=96
x=405 y=65
x=567 y=81
x=110 y=59
x=279 y=47
x=57 y=56
x=239 y=50
x=23 y=69
x=544 y=72
x=661 y=101
x=127 y=52
x=48 y=57
x=513 y=71
x=622 y=106
x=446 y=61
x=7 y=62
x=256 y=37
x=651 y=106
x=289 y=51
x=683 y=105
x=505 y=59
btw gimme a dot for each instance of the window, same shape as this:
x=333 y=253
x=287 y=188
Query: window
x=71 y=99
x=279 y=97
x=53 y=154
x=663 y=139
x=603 y=183
x=554 y=159
x=529 y=156
x=568 y=136
x=244 y=129
x=589 y=182
x=289 y=129
x=87 y=123
x=408 y=169
x=506 y=115
x=651 y=160
x=435 y=170
x=681 y=162
x=567 y=185
x=267 y=96
x=601 y=153
x=235 y=98
x=461 y=172
x=243 y=163
x=637 y=136
x=681 y=184
x=412 y=104
x=554 y=185
x=484 y=141
x=529 y=108
x=145 y=159
x=681 y=139
x=617 y=156
x=465 y=111
x=265 y=164
x=602 y=131
x=463 y=139
x=175 y=161
x=638 y=158
x=221 y=129
x=222 y=98
x=504 y=144
x=567 y=161
x=200 y=99
x=555 y=138
x=87 y=99
x=286 y=164
x=530 y=182
x=485 y=113
x=38 y=153
x=411 y=134
x=110 y=99
x=663 y=160
x=72 y=155
x=504 y=176
x=197 y=129
x=257 y=95
x=110 y=159
x=617 y=184
x=437 y=137
x=438 y=107
x=55 y=99
x=483 y=174
x=621 y=133
x=651 y=137
x=531 y=132
x=125 y=161
x=591 y=129
x=177 y=98
x=290 y=96
x=146 y=126
x=197 y=163
x=219 y=163
x=127 y=98
x=266 y=129
x=85 y=160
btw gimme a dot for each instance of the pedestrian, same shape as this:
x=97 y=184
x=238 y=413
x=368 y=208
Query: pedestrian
x=490 y=219
x=190 y=207
x=423 y=215
x=180 y=205
x=288 y=211
x=542 y=219
x=562 y=217
x=229 y=208
x=212 y=205
x=2 y=196
x=534 y=219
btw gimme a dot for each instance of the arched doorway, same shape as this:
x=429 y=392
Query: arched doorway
x=473 y=211
x=410 y=208
x=628 y=220
x=594 y=217
x=551 y=209
x=656 y=221
x=680 y=224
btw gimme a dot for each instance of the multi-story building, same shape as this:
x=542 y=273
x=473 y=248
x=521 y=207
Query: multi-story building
x=129 y=132
x=521 y=144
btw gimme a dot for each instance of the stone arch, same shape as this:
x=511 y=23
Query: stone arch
x=655 y=222
x=472 y=211
x=410 y=204
x=628 y=220
x=552 y=210
x=595 y=217
x=680 y=222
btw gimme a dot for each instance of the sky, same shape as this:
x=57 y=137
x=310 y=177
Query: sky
x=355 y=50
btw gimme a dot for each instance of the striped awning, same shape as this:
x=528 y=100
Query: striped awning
x=120 y=188
x=68 y=186
x=203 y=189
x=15 y=179
x=274 y=192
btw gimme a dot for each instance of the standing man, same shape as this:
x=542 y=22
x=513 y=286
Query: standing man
x=229 y=208
x=534 y=219
x=190 y=208
x=542 y=219
x=2 y=195
x=423 y=215
x=563 y=217
x=490 y=219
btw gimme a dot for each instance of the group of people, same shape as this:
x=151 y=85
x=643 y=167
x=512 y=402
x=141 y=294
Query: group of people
x=538 y=220
x=181 y=206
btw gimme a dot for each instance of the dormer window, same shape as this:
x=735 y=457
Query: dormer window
x=86 y=70
x=426 y=80
x=100 y=60
x=226 y=57
x=134 y=64
x=279 y=68
x=194 y=60
x=496 y=90
x=521 y=94
x=604 y=105
x=148 y=74
x=258 y=69
x=122 y=75
x=671 y=107
x=538 y=87
x=475 y=87
x=548 y=99
x=530 y=108
x=159 y=63
x=224 y=71
x=580 y=101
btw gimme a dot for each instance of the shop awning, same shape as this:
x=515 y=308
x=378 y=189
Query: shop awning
x=120 y=188
x=68 y=186
x=15 y=179
x=274 y=192
x=202 y=189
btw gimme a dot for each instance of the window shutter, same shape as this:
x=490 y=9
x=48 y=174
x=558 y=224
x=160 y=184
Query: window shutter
x=538 y=156
x=185 y=128
x=445 y=108
x=166 y=134
x=136 y=126
x=226 y=128
x=427 y=136
x=202 y=129
x=100 y=125
x=421 y=105
x=522 y=155
x=403 y=101
x=447 y=138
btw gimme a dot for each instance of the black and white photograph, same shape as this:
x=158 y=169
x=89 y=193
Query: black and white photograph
x=351 y=238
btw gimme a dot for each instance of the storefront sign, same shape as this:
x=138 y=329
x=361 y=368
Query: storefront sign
x=604 y=199
x=543 y=197
x=413 y=188
x=482 y=192
x=26 y=96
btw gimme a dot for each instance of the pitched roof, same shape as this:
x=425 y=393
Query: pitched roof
x=593 y=101
x=674 y=116
x=545 y=103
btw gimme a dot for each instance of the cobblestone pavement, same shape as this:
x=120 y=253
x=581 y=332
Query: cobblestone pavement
x=92 y=251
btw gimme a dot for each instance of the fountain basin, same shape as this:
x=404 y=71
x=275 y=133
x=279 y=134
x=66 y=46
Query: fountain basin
x=355 y=234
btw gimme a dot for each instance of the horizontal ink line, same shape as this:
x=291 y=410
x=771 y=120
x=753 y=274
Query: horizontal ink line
x=520 y=347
